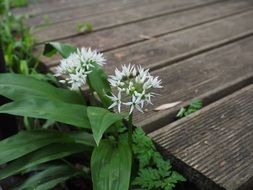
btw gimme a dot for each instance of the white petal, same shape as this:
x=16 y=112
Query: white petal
x=119 y=107
x=138 y=108
x=113 y=105
x=131 y=109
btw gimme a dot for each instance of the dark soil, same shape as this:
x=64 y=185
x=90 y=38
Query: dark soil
x=186 y=186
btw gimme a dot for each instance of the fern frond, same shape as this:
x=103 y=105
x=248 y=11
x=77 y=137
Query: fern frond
x=154 y=172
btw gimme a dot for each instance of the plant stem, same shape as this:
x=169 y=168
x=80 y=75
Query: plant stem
x=82 y=95
x=92 y=98
x=130 y=130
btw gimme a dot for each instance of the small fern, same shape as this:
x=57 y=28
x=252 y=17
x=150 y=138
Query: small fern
x=191 y=108
x=154 y=172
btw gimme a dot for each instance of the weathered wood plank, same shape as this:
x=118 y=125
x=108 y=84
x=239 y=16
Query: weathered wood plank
x=113 y=19
x=136 y=32
x=88 y=10
x=168 y=49
x=44 y=7
x=204 y=76
x=172 y=47
x=216 y=142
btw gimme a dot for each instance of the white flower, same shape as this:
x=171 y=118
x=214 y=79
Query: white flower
x=116 y=101
x=88 y=57
x=77 y=66
x=134 y=87
x=77 y=80
x=135 y=104
x=68 y=65
x=155 y=82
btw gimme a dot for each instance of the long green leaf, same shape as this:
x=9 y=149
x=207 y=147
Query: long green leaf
x=17 y=86
x=100 y=120
x=45 y=154
x=111 y=165
x=71 y=114
x=27 y=141
x=50 y=177
x=63 y=49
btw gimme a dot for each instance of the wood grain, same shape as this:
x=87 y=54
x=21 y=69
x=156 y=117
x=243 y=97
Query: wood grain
x=216 y=142
x=172 y=47
x=88 y=10
x=139 y=31
x=49 y=6
x=133 y=15
x=197 y=77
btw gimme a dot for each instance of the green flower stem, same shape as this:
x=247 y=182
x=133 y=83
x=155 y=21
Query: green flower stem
x=130 y=130
x=82 y=95
x=92 y=98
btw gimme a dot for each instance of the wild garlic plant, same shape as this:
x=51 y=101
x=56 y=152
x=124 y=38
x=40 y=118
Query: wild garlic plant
x=133 y=84
x=103 y=135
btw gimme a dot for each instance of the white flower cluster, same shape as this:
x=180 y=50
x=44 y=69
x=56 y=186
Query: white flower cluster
x=77 y=66
x=134 y=86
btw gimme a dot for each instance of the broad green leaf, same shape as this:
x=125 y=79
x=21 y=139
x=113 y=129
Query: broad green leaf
x=100 y=120
x=50 y=177
x=17 y=86
x=71 y=114
x=111 y=165
x=98 y=82
x=27 y=141
x=45 y=154
x=63 y=49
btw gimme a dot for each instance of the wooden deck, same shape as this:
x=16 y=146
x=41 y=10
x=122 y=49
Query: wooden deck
x=216 y=142
x=201 y=49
